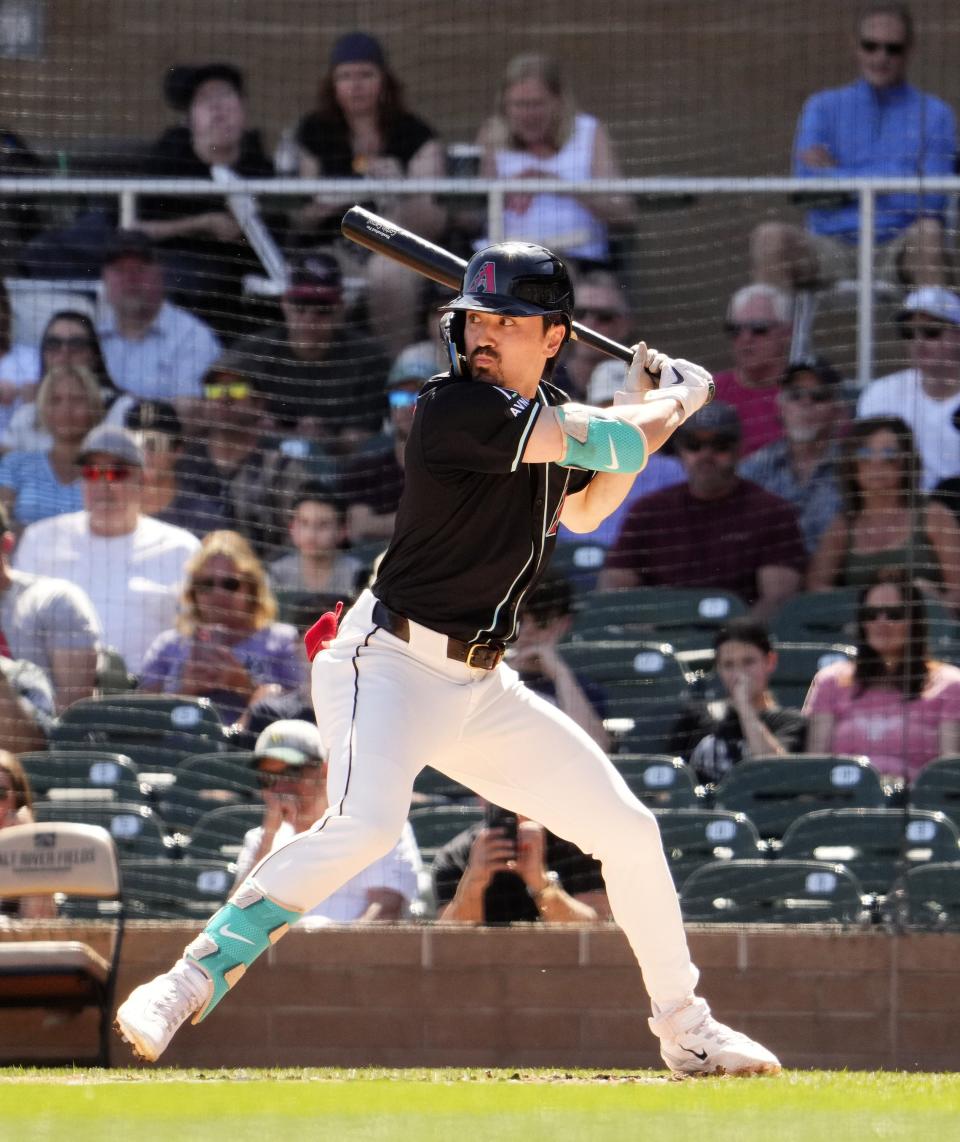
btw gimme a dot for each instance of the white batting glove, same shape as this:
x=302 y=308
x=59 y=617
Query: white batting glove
x=644 y=368
x=690 y=385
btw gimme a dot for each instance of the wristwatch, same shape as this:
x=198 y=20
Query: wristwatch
x=551 y=880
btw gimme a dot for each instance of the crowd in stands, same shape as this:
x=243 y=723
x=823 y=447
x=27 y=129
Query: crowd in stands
x=189 y=475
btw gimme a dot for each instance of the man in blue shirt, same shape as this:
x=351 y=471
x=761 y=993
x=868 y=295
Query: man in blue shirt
x=878 y=125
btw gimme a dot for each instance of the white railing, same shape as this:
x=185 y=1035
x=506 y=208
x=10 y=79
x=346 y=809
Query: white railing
x=127 y=190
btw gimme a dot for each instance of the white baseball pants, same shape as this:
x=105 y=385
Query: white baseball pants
x=387 y=708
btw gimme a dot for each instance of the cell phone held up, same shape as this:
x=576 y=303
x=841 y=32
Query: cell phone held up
x=498 y=818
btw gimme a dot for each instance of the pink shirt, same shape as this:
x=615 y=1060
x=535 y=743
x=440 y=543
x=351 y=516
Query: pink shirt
x=899 y=737
x=758 y=410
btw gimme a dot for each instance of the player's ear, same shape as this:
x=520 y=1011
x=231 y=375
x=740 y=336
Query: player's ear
x=554 y=338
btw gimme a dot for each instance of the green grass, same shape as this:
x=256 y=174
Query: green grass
x=463 y=1105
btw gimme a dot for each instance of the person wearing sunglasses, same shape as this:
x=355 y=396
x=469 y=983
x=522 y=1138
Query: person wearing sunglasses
x=893 y=702
x=225 y=643
x=759 y=325
x=715 y=529
x=878 y=125
x=801 y=468
x=129 y=564
x=602 y=305
x=885 y=520
x=927 y=393
x=291 y=762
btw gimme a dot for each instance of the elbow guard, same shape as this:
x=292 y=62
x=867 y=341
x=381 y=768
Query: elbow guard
x=598 y=443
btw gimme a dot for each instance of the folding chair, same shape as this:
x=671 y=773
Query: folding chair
x=775 y=791
x=175 y=890
x=874 y=844
x=134 y=828
x=694 y=837
x=434 y=825
x=218 y=835
x=937 y=787
x=928 y=896
x=659 y=780
x=63 y=974
x=60 y=775
x=772 y=892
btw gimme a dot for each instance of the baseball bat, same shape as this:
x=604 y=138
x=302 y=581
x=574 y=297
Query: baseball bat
x=392 y=241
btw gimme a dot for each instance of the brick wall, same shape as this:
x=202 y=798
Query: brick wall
x=425 y=996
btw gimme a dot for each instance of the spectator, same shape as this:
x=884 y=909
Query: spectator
x=661 y=471
x=159 y=433
x=128 y=564
x=321 y=378
x=290 y=758
x=153 y=349
x=37 y=485
x=200 y=240
x=361 y=127
x=885 y=521
x=16 y=808
x=714 y=530
x=893 y=703
x=537 y=133
x=27 y=705
x=759 y=325
x=748 y=722
x=801 y=468
x=18 y=362
x=877 y=125
x=927 y=395
x=318 y=530
x=49 y=622
x=536 y=657
x=225 y=643
x=509 y=870
x=602 y=305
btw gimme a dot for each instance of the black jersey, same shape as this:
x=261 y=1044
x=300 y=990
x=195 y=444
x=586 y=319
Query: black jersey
x=475 y=526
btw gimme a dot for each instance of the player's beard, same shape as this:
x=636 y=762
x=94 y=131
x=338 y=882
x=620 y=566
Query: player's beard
x=486 y=372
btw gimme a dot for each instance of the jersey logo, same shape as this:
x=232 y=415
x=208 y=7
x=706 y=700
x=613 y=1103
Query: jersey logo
x=484 y=280
x=517 y=405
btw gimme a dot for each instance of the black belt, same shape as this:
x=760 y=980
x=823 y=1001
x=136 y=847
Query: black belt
x=481 y=655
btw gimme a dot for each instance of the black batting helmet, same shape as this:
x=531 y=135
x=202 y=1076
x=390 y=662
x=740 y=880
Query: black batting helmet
x=516 y=279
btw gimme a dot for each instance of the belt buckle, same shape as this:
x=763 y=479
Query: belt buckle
x=484 y=647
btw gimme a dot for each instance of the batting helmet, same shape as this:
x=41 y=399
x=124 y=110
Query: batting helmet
x=516 y=279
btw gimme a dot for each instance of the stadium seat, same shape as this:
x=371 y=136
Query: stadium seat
x=579 y=562
x=58 y=775
x=817 y=616
x=64 y=974
x=694 y=837
x=205 y=782
x=928 y=896
x=775 y=791
x=875 y=844
x=659 y=780
x=434 y=825
x=643 y=684
x=218 y=835
x=155 y=730
x=797 y=662
x=302 y=608
x=772 y=892
x=135 y=829
x=937 y=787
x=432 y=785
x=178 y=890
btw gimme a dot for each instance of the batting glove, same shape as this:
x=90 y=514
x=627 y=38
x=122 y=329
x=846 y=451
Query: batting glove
x=688 y=384
x=644 y=368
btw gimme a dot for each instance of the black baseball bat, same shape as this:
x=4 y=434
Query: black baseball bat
x=385 y=237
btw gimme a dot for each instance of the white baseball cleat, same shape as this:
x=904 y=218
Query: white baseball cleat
x=154 y=1012
x=692 y=1042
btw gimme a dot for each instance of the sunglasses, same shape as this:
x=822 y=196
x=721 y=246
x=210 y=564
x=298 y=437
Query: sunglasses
x=113 y=474
x=231 y=583
x=712 y=444
x=896 y=613
x=233 y=390
x=891 y=49
x=72 y=343
x=927 y=332
x=756 y=328
x=814 y=396
x=400 y=398
x=599 y=315
x=879 y=455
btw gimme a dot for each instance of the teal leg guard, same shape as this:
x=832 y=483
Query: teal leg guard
x=243 y=928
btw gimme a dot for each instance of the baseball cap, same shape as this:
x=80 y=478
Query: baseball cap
x=154 y=416
x=936 y=301
x=181 y=82
x=608 y=378
x=127 y=244
x=825 y=373
x=290 y=740
x=316 y=278
x=232 y=365
x=718 y=416
x=357 y=47
x=417 y=362
x=114 y=441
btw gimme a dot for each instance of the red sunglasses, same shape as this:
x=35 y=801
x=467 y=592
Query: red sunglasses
x=113 y=474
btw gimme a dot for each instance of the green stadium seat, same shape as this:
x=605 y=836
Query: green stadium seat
x=659 y=780
x=57 y=775
x=818 y=616
x=434 y=825
x=694 y=837
x=875 y=844
x=775 y=791
x=686 y=618
x=218 y=835
x=579 y=562
x=175 y=890
x=928 y=896
x=937 y=787
x=772 y=892
x=797 y=662
x=205 y=782
x=135 y=828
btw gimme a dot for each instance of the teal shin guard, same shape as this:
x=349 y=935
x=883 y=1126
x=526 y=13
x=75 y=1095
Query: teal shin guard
x=243 y=928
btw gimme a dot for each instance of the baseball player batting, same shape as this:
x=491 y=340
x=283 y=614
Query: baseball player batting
x=497 y=458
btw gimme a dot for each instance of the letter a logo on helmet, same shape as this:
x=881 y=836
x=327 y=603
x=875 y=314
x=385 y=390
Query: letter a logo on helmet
x=484 y=280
